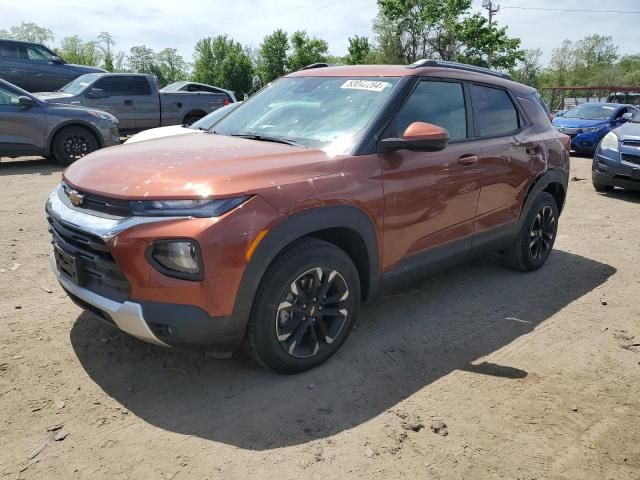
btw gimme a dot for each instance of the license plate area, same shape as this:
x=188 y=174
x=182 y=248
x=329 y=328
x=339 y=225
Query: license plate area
x=67 y=265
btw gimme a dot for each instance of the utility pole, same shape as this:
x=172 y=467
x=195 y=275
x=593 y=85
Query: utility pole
x=491 y=7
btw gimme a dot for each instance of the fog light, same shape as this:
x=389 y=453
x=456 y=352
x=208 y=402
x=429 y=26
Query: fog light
x=177 y=258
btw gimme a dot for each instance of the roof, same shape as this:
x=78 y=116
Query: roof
x=411 y=71
x=21 y=42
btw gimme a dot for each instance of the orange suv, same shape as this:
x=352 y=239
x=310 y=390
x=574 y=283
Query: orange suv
x=330 y=185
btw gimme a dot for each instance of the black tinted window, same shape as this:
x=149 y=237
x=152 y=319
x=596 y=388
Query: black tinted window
x=494 y=112
x=439 y=103
x=116 y=86
x=9 y=50
x=142 y=86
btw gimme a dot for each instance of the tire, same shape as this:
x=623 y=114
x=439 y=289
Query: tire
x=599 y=187
x=72 y=143
x=286 y=331
x=537 y=235
x=192 y=118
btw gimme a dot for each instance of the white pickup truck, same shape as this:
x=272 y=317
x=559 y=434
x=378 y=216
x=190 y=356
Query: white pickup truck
x=134 y=99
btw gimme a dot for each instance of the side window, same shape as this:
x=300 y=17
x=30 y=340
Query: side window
x=39 y=54
x=141 y=86
x=8 y=50
x=439 y=103
x=7 y=97
x=493 y=111
x=113 y=86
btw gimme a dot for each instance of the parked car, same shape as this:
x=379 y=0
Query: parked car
x=588 y=123
x=321 y=191
x=135 y=100
x=559 y=113
x=202 y=125
x=35 y=68
x=616 y=162
x=198 y=87
x=29 y=126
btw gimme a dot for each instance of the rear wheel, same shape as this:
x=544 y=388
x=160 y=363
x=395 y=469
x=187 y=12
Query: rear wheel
x=192 y=118
x=537 y=235
x=72 y=143
x=305 y=307
x=602 y=188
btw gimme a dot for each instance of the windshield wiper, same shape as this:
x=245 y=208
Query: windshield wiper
x=265 y=138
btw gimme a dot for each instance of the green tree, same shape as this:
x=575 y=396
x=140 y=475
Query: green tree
x=172 y=66
x=119 y=62
x=75 y=50
x=306 y=51
x=595 y=56
x=388 y=42
x=446 y=30
x=142 y=59
x=28 y=32
x=529 y=68
x=223 y=62
x=272 y=56
x=629 y=69
x=105 y=43
x=359 y=50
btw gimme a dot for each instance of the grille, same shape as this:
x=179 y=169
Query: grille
x=85 y=259
x=96 y=203
x=627 y=157
x=631 y=143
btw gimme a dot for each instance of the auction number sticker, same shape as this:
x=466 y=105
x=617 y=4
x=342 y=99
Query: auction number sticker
x=370 y=85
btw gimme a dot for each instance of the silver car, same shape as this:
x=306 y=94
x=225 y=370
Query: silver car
x=29 y=126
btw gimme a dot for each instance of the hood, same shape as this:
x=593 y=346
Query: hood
x=52 y=96
x=196 y=166
x=628 y=131
x=577 y=122
x=161 y=132
x=85 y=69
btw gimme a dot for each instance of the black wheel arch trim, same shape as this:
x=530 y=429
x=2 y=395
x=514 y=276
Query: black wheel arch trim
x=304 y=224
x=74 y=123
x=545 y=179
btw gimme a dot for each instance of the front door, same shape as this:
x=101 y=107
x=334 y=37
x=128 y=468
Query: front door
x=431 y=197
x=22 y=130
x=118 y=95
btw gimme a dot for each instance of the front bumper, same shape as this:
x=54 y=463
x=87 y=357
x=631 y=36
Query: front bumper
x=608 y=169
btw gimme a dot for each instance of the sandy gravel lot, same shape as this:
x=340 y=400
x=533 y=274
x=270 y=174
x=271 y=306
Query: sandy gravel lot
x=536 y=376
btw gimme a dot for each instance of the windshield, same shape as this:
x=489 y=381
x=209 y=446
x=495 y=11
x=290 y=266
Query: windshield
x=174 y=87
x=328 y=113
x=206 y=122
x=590 y=112
x=79 y=84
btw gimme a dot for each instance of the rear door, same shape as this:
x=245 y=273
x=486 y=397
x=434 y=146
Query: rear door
x=146 y=104
x=119 y=93
x=22 y=130
x=512 y=154
x=14 y=66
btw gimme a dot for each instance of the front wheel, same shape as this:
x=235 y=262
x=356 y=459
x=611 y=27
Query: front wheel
x=305 y=307
x=73 y=143
x=598 y=187
x=537 y=235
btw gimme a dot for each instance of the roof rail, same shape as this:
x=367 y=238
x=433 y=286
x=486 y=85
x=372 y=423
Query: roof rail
x=426 y=62
x=315 y=65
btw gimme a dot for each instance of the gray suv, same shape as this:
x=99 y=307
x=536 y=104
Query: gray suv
x=35 y=68
x=29 y=126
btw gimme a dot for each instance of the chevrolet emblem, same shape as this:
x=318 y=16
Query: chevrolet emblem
x=76 y=198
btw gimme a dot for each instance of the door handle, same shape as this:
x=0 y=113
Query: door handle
x=128 y=102
x=467 y=160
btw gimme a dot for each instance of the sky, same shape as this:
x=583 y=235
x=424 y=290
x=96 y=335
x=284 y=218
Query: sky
x=180 y=23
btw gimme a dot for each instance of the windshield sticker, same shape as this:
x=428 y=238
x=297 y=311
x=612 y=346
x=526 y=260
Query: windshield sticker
x=369 y=85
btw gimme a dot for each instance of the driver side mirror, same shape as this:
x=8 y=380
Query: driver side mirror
x=419 y=136
x=56 y=59
x=25 y=102
x=96 y=93
x=626 y=117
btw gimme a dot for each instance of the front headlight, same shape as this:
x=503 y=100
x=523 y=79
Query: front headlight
x=185 y=208
x=609 y=142
x=591 y=129
x=103 y=116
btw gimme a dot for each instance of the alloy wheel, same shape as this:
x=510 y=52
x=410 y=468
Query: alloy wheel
x=312 y=312
x=542 y=232
x=76 y=146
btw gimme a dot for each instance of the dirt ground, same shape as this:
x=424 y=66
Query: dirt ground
x=479 y=373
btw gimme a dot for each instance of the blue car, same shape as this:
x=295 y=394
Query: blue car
x=616 y=162
x=588 y=123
